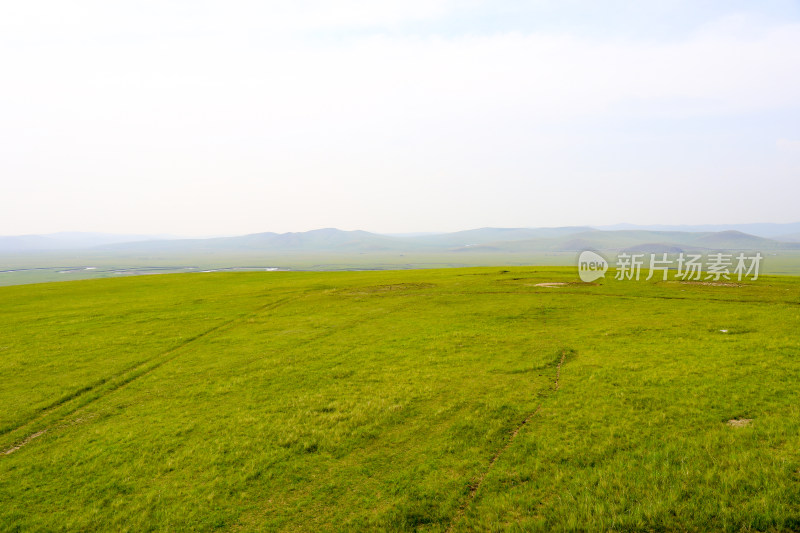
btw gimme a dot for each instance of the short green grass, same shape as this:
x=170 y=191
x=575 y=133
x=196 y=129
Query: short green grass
x=413 y=400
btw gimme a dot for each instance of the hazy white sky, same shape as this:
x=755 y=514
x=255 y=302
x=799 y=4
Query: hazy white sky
x=211 y=117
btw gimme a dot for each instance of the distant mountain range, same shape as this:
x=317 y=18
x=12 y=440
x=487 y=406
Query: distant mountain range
x=509 y=240
x=781 y=232
x=68 y=241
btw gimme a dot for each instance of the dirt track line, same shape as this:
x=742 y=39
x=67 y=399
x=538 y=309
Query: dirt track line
x=42 y=411
x=128 y=375
x=24 y=442
x=558 y=370
x=627 y=296
x=42 y=432
x=140 y=371
x=476 y=484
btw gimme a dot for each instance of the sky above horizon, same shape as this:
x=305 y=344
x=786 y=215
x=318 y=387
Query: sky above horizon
x=210 y=118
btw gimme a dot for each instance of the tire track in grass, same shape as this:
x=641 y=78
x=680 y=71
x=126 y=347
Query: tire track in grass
x=24 y=442
x=83 y=397
x=48 y=419
x=251 y=519
x=42 y=432
x=567 y=292
x=10 y=428
x=476 y=484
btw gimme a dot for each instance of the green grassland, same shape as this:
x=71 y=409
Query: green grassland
x=438 y=400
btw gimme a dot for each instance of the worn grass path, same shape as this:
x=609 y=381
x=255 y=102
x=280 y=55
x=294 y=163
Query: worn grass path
x=476 y=484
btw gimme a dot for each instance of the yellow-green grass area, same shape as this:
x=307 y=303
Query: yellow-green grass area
x=453 y=399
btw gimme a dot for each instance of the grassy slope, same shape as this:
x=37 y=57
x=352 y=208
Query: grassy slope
x=378 y=399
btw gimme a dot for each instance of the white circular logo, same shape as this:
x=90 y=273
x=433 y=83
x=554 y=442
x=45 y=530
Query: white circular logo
x=591 y=266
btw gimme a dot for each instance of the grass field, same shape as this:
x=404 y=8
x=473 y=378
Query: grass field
x=436 y=400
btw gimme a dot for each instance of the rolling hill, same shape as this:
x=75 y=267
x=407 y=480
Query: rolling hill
x=68 y=241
